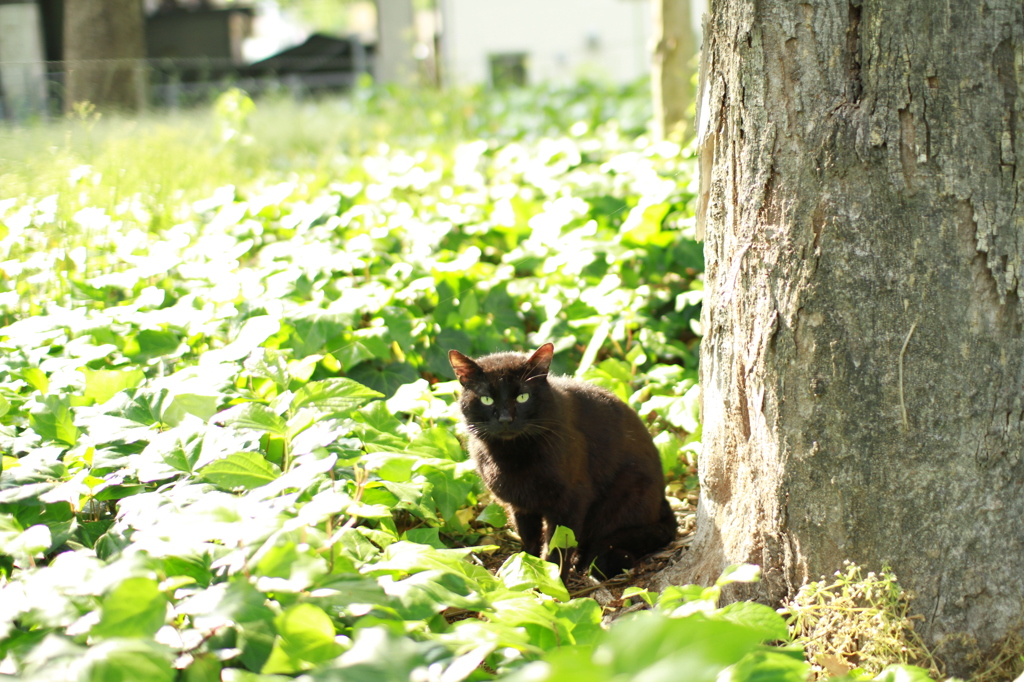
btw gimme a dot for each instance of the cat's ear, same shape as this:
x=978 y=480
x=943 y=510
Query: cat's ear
x=464 y=368
x=540 y=361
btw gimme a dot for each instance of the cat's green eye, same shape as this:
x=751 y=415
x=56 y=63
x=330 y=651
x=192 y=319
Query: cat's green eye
x=522 y=397
x=486 y=400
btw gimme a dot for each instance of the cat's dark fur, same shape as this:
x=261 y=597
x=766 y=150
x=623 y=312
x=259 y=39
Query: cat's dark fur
x=569 y=454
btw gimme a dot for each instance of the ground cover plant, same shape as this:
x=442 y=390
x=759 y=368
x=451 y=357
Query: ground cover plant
x=226 y=413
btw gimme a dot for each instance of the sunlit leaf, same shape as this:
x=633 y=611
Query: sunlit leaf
x=425 y=536
x=739 y=573
x=428 y=592
x=562 y=538
x=129 y=659
x=102 y=384
x=902 y=673
x=334 y=395
x=241 y=470
x=305 y=636
x=580 y=620
x=438 y=442
x=255 y=331
x=135 y=608
x=522 y=572
x=152 y=343
x=758 y=617
x=36 y=378
x=775 y=666
x=493 y=515
x=390 y=466
x=268 y=364
x=447 y=492
x=197 y=405
x=253 y=416
x=53 y=421
x=384 y=378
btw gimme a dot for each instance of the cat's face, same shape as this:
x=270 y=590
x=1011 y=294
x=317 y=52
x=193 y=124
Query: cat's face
x=504 y=395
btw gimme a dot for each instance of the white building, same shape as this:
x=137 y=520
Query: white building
x=502 y=42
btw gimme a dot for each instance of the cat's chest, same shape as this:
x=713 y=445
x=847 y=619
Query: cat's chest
x=529 y=481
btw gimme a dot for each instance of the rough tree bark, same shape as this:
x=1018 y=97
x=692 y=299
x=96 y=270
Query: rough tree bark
x=671 y=70
x=863 y=364
x=97 y=32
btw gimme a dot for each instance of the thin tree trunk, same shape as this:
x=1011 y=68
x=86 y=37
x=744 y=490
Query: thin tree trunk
x=396 y=34
x=672 y=66
x=104 y=43
x=863 y=364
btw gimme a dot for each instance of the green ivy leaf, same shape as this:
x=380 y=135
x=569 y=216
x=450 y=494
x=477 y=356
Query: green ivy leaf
x=153 y=343
x=447 y=492
x=633 y=591
x=758 y=617
x=236 y=600
x=53 y=420
x=643 y=225
x=135 y=608
x=9 y=529
x=103 y=384
x=428 y=592
x=902 y=673
x=739 y=573
x=334 y=396
x=313 y=329
x=305 y=636
x=384 y=378
x=562 y=538
x=523 y=571
x=425 y=536
x=438 y=442
x=773 y=666
x=579 y=620
x=128 y=659
x=33 y=477
x=376 y=416
x=241 y=470
x=140 y=405
x=390 y=466
x=36 y=378
x=493 y=515
x=268 y=364
x=206 y=667
x=253 y=416
x=405 y=557
x=657 y=646
x=198 y=405
x=437 y=355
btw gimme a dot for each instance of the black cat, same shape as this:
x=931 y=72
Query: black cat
x=562 y=452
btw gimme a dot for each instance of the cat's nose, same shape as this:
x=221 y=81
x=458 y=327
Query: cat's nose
x=504 y=417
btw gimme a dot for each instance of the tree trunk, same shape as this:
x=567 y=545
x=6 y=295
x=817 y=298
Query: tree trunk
x=863 y=364
x=671 y=68
x=394 y=61
x=101 y=37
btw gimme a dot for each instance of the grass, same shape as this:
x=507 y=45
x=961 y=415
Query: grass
x=166 y=157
